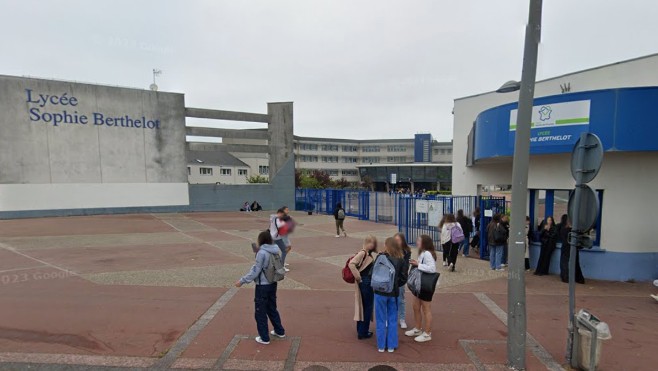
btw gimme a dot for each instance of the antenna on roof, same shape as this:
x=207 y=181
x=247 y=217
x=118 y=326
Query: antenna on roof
x=156 y=72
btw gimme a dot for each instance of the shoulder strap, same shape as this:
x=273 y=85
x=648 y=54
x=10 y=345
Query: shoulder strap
x=365 y=255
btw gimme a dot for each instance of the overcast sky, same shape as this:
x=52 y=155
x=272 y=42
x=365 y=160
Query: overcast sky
x=355 y=69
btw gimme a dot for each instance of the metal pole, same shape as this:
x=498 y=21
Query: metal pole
x=573 y=238
x=516 y=305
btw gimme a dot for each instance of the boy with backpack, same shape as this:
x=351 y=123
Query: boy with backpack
x=339 y=215
x=266 y=272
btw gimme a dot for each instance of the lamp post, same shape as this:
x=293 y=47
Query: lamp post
x=516 y=303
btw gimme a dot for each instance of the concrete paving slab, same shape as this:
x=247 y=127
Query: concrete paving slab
x=99 y=240
x=87 y=260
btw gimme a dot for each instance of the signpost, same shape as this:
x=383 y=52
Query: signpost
x=586 y=160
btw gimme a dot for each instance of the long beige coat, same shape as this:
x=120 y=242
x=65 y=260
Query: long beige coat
x=367 y=260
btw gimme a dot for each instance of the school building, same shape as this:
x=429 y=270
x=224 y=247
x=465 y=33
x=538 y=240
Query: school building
x=617 y=102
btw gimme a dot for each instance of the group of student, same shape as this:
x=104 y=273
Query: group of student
x=380 y=278
x=548 y=233
x=254 y=206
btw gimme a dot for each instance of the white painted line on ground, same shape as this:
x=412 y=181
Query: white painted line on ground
x=9 y=248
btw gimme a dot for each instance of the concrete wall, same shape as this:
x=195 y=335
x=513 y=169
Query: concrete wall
x=72 y=165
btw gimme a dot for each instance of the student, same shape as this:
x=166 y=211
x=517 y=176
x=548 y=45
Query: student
x=290 y=222
x=563 y=230
x=386 y=306
x=450 y=250
x=246 y=207
x=422 y=304
x=528 y=238
x=548 y=244
x=504 y=221
x=467 y=226
x=339 y=216
x=361 y=267
x=278 y=230
x=265 y=294
x=475 y=242
x=496 y=238
x=406 y=252
x=255 y=206
x=444 y=253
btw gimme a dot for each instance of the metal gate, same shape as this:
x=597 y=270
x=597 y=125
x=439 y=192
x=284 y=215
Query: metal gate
x=489 y=206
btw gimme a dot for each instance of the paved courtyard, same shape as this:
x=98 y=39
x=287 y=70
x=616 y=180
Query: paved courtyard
x=155 y=292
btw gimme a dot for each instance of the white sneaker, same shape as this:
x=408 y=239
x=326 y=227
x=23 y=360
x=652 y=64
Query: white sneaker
x=403 y=324
x=337 y=236
x=391 y=350
x=503 y=265
x=381 y=350
x=261 y=341
x=655 y=297
x=286 y=269
x=413 y=332
x=423 y=337
x=445 y=264
x=273 y=333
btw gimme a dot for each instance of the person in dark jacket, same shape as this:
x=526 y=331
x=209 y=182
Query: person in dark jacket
x=496 y=237
x=548 y=244
x=504 y=221
x=406 y=252
x=386 y=306
x=339 y=216
x=563 y=230
x=467 y=226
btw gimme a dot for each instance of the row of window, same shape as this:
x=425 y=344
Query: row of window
x=348 y=160
x=262 y=170
x=344 y=172
x=397 y=149
x=443 y=151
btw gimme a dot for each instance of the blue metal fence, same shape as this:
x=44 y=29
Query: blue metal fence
x=414 y=216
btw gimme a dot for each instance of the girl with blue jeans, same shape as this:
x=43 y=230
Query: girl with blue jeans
x=386 y=303
x=496 y=241
x=406 y=252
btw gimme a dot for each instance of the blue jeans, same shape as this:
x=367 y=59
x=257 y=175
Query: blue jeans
x=265 y=300
x=386 y=315
x=465 y=246
x=367 y=301
x=401 y=310
x=282 y=245
x=495 y=256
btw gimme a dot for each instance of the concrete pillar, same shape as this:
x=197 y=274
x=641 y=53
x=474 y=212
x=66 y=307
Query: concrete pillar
x=412 y=187
x=280 y=130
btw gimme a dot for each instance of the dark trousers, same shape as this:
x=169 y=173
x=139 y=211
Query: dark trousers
x=544 y=263
x=564 y=265
x=450 y=252
x=505 y=252
x=266 y=308
x=368 y=302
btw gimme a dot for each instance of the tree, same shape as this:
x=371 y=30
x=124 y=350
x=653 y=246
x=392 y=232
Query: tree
x=298 y=178
x=366 y=182
x=322 y=177
x=309 y=182
x=257 y=179
x=342 y=183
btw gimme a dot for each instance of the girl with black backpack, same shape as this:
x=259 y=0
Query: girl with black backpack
x=426 y=264
x=406 y=256
x=339 y=216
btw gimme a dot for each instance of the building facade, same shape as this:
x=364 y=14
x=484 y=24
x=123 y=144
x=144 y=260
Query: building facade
x=353 y=159
x=617 y=103
x=349 y=159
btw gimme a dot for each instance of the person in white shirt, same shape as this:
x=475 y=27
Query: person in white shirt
x=422 y=303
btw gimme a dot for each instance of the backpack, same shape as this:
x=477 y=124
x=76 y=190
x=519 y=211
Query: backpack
x=347 y=272
x=341 y=214
x=456 y=234
x=281 y=230
x=274 y=271
x=383 y=275
x=500 y=234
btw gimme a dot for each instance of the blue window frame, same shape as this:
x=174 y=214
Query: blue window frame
x=546 y=202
